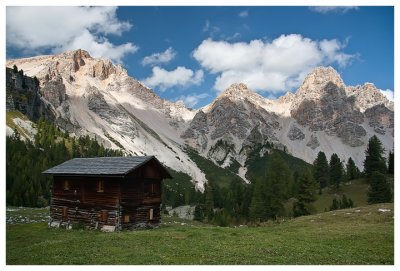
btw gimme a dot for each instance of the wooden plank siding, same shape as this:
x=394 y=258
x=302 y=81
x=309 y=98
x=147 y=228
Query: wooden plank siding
x=84 y=204
x=121 y=202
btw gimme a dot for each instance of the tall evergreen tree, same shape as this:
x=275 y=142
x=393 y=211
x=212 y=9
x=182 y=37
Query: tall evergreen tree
x=321 y=170
x=307 y=195
x=198 y=213
x=209 y=202
x=374 y=157
x=257 y=209
x=379 y=190
x=278 y=179
x=271 y=192
x=391 y=163
x=352 y=170
x=335 y=170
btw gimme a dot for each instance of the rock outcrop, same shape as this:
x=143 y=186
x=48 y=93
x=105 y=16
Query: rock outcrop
x=295 y=133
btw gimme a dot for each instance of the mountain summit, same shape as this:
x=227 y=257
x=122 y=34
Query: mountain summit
x=91 y=96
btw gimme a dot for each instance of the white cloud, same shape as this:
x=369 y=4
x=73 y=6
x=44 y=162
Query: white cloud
x=97 y=47
x=274 y=66
x=181 y=76
x=192 y=100
x=332 y=9
x=159 y=58
x=58 y=28
x=389 y=94
x=331 y=48
x=244 y=14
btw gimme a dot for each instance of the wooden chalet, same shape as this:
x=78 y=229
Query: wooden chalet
x=108 y=193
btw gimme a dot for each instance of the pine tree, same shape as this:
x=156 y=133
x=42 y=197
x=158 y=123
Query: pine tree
x=209 y=202
x=256 y=209
x=335 y=205
x=391 y=163
x=335 y=170
x=374 y=159
x=352 y=170
x=307 y=195
x=321 y=170
x=379 y=190
x=278 y=180
x=198 y=213
x=344 y=203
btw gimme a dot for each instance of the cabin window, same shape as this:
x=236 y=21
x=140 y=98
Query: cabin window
x=126 y=218
x=151 y=189
x=66 y=185
x=103 y=216
x=100 y=186
x=65 y=211
x=155 y=188
x=151 y=214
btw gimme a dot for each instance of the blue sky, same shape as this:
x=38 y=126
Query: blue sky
x=194 y=53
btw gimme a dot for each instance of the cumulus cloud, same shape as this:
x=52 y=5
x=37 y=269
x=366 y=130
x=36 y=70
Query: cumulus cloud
x=159 y=58
x=332 y=50
x=273 y=66
x=333 y=9
x=192 y=100
x=389 y=94
x=181 y=76
x=67 y=28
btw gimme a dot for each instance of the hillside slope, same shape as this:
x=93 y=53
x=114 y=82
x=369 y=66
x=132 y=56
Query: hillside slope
x=363 y=235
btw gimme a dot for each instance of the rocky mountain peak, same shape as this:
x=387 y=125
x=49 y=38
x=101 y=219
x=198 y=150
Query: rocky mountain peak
x=316 y=82
x=236 y=91
x=78 y=53
x=367 y=96
x=240 y=92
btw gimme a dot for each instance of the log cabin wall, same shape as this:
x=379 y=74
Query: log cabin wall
x=122 y=192
x=80 y=200
x=141 y=197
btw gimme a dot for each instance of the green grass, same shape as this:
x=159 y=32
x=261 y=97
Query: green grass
x=352 y=236
x=355 y=189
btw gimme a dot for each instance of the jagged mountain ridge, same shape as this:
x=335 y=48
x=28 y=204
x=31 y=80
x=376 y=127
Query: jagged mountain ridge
x=95 y=97
x=322 y=115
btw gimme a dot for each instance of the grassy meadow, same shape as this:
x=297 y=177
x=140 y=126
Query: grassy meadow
x=362 y=235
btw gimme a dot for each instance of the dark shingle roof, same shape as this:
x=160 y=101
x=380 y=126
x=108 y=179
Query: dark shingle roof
x=114 y=166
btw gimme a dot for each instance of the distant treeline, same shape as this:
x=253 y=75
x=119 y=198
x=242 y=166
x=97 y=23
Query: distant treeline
x=276 y=178
x=25 y=160
x=280 y=179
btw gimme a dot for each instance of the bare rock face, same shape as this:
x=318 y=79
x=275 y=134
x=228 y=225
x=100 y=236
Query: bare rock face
x=322 y=104
x=227 y=116
x=380 y=117
x=351 y=134
x=220 y=151
x=103 y=69
x=295 y=133
x=54 y=91
x=313 y=143
x=114 y=115
x=367 y=96
x=198 y=129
